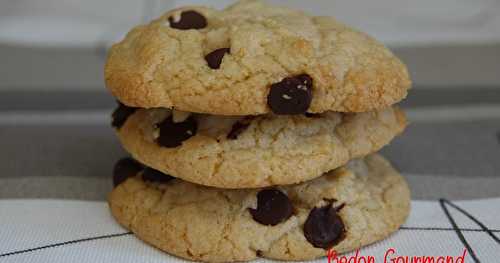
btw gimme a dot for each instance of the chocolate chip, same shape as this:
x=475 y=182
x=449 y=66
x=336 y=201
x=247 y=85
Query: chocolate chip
x=152 y=175
x=121 y=114
x=239 y=127
x=292 y=95
x=125 y=168
x=273 y=207
x=189 y=20
x=214 y=58
x=172 y=134
x=312 y=115
x=324 y=227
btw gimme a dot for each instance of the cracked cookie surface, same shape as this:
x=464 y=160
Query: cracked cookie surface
x=226 y=64
x=210 y=224
x=266 y=150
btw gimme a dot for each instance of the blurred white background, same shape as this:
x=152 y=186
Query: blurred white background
x=395 y=22
x=61 y=43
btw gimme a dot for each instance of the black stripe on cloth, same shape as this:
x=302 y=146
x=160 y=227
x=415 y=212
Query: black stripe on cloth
x=448 y=229
x=17 y=252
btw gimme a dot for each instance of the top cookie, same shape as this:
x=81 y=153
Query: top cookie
x=252 y=58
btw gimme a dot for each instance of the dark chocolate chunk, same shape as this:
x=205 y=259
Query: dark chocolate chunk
x=121 y=114
x=125 y=168
x=172 y=134
x=152 y=175
x=189 y=20
x=312 y=115
x=273 y=207
x=239 y=127
x=324 y=227
x=292 y=95
x=214 y=58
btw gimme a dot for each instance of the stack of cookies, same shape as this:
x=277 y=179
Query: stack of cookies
x=253 y=132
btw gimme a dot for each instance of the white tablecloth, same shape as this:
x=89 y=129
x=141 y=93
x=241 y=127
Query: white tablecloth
x=83 y=231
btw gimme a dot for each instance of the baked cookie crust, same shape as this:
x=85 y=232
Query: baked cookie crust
x=228 y=65
x=270 y=150
x=200 y=223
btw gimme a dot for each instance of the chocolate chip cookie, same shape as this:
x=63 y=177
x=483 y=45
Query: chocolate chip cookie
x=254 y=151
x=252 y=58
x=344 y=209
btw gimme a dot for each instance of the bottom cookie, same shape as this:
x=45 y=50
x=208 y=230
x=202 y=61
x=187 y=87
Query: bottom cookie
x=347 y=208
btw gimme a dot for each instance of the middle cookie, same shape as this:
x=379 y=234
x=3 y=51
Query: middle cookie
x=256 y=151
